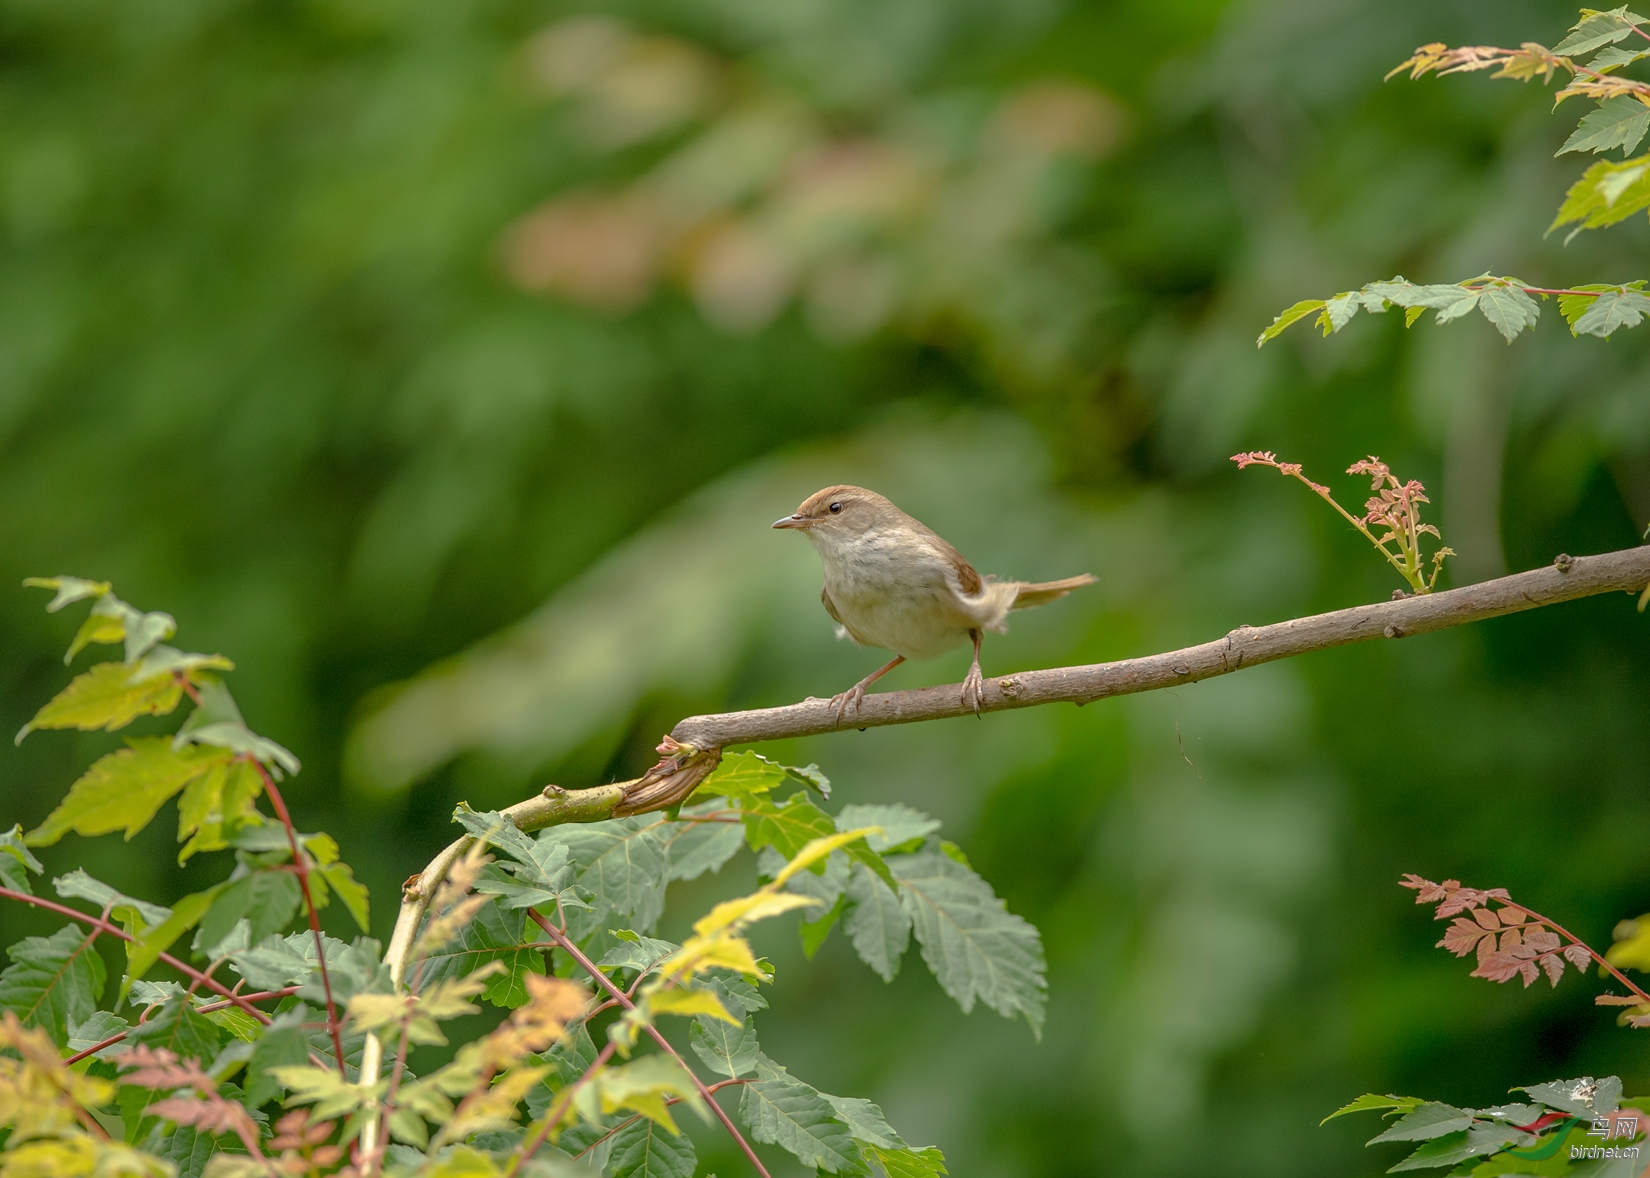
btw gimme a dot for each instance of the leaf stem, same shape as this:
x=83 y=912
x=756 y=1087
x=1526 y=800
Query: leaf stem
x=1598 y=957
x=623 y=999
x=558 y=1111
x=300 y=860
x=187 y=971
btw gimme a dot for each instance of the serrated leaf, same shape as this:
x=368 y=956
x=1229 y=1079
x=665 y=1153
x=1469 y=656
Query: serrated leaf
x=636 y=952
x=743 y=775
x=491 y=826
x=693 y=848
x=642 y=1085
x=186 y=914
x=69 y=589
x=815 y=851
x=729 y=1050
x=1370 y=1102
x=351 y=970
x=814 y=932
x=1615 y=122
x=621 y=861
x=1614 y=57
x=899 y=824
x=1607 y=192
x=137 y=915
x=781 y=1110
x=1509 y=310
x=1479 y=1141
x=909 y=1163
x=643 y=1149
x=976 y=948
x=106 y=697
x=277 y=962
x=1425 y=1122
x=97 y=1027
x=125 y=788
x=238 y=738
x=176 y=1027
x=494 y=935
x=787 y=828
x=1288 y=318
x=17 y=861
x=329 y=1094
x=53 y=982
x=1583 y=1097
x=876 y=923
x=1597 y=29
x=267 y=899
x=865 y=1121
x=217 y=805
x=1611 y=310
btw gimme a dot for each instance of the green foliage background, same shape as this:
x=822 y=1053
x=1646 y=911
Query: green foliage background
x=261 y=365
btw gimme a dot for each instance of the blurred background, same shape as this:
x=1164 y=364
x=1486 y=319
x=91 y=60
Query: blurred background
x=444 y=364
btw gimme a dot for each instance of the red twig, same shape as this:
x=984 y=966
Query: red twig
x=205 y=1008
x=623 y=999
x=1597 y=956
x=554 y=1116
x=300 y=861
x=188 y=971
x=627 y=1122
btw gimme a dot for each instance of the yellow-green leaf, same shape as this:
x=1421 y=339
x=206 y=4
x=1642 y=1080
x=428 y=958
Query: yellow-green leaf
x=146 y=950
x=676 y=1000
x=69 y=589
x=1289 y=318
x=217 y=804
x=750 y=909
x=820 y=848
x=349 y=889
x=743 y=775
x=106 y=697
x=125 y=788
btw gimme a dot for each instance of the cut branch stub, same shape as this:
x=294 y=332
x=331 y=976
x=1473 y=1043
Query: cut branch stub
x=668 y=783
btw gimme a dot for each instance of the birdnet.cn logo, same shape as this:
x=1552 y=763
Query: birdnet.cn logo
x=1610 y=1128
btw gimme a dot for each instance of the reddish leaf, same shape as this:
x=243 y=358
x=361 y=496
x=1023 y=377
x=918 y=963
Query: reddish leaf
x=1499 y=967
x=1580 y=956
x=1461 y=937
x=1530 y=972
x=1554 y=965
x=1509 y=939
x=1427 y=892
x=1617 y=1000
x=1487 y=919
x=1542 y=940
x=1512 y=915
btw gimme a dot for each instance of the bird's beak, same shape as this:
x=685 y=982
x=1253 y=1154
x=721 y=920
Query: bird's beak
x=793 y=521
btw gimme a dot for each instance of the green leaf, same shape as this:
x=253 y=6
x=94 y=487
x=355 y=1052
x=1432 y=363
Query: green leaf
x=693 y=848
x=1585 y=1097
x=136 y=916
x=1612 y=309
x=727 y=1050
x=1597 y=29
x=351 y=969
x=354 y=895
x=1369 y=1102
x=901 y=825
x=814 y=932
x=1612 y=57
x=1288 y=319
x=106 y=697
x=1616 y=122
x=97 y=1027
x=909 y=1163
x=277 y=962
x=16 y=861
x=621 y=861
x=176 y=1027
x=787 y=828
x=865 y=1121
x=491 y=826
x=643 y=1149
x=743 y=776
x=494 y=935
x=876 y=923
x=781 y=1110
x=69 y=589
x=238 y=738
x=1607 y=192
x=53 y=982
x=1509 y=310
x=1427 y=1121
x=217 y=805
x=1479 y=1141
x=146 y=950
x=125 y=788
x=267 y=899
x=976 y=948
x=636 y=952
x=284 y=1043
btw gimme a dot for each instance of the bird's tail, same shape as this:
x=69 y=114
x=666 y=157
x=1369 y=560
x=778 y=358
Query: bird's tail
x=1043 y=592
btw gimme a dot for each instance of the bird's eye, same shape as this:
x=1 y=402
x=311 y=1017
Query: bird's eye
x=836 y=507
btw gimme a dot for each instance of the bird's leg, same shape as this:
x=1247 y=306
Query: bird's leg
x=973 y=685
x=857 y=692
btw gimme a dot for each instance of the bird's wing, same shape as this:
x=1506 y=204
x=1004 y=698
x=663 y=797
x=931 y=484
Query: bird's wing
x=830 y=607
x=1043 y=592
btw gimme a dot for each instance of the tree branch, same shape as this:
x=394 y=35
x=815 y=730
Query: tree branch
x=1566 y=579
x=695 y=745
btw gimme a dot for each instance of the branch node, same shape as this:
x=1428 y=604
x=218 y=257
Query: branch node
x=554 y=791
x=1394 y=631
x=1398 y=595
x=1563 y=562
x=679 y=772
x=1009 y=687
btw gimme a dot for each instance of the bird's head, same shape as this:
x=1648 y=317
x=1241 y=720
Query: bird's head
x=840 y=512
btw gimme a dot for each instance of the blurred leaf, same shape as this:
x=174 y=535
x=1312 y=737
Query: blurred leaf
x=216 y=805
x=53 y=982
x=786 y=828
x=1288 y=318
x=975 y=947
x=137 y=915
x=909 y=1163
x=268 y=899
x=125 y=788
x=353 y=894
x=814 y=932
x=106 y=697
x=900 y=824
x=69 y=590
x=16 y=861
x=688 y=1003
x=1607 y=192
x=728 y=1050
x=494 y=935
x=1612 y=309
x=636 y=952
x=1509 y=310
x=693 y=848
x=186 y=913
x=622 y=861
x=1585 y=1097
x=643 y=1085
x=865 y=1121
x=1597 y=29
x=100 y=1025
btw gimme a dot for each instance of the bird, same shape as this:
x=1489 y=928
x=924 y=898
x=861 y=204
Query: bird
x=892 y=582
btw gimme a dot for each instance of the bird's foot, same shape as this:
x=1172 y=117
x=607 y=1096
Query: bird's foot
x=973 y=689
x=853 y=695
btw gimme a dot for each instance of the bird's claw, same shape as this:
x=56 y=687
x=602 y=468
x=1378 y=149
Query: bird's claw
x=973 y=689
x=853 y=695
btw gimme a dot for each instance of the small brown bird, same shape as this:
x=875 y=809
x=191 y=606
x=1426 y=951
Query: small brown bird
x=891 y=582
